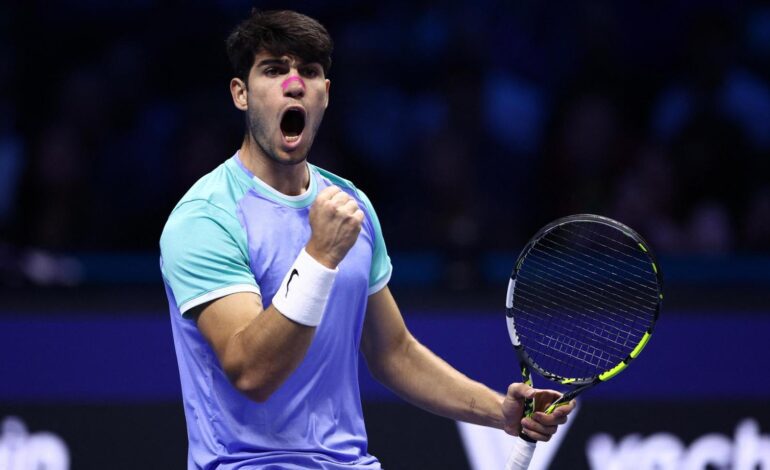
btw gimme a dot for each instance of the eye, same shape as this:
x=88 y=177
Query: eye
x=311 y=72
x=272 y=72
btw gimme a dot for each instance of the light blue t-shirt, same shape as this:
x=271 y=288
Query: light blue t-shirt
x=233 y=233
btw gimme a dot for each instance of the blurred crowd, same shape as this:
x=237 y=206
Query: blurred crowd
x=468 y=124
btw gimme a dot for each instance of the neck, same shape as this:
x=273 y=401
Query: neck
x=289 y=179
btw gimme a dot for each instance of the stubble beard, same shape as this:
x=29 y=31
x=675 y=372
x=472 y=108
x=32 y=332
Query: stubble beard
x=261 y=138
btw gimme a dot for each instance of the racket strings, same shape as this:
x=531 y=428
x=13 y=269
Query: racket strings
x=590 y=356
x=583 y=299
x=596 y=342
x=635 y=259
x=590 y=362
x=649 y=287
x=565 y=358
x=606 y=316
x=605 y=332
x=597 y=272
x=608 y=320
x=613 y=298
x=596 y=356
x=607 y=265
x=628 y=314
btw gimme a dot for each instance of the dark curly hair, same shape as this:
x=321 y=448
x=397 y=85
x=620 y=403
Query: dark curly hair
x=280 y=33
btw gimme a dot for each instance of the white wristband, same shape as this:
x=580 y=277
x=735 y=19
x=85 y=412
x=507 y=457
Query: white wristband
x=304 y=291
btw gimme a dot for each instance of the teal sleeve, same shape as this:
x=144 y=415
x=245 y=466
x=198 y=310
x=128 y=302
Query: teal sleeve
x=381 y=269
x=204 y=255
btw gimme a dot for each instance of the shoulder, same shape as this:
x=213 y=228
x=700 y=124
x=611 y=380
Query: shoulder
x=346 y=185
x=217 y=192
x=210 y=204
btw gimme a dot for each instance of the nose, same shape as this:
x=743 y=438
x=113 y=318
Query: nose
x=293 y=86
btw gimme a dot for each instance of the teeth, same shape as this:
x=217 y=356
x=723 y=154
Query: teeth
x=292 y=138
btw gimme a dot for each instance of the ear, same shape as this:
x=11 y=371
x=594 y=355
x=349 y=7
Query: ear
x=328 y=84
x=239 y=93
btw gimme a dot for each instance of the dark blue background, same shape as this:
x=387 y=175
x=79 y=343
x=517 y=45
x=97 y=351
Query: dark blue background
x=129 y=357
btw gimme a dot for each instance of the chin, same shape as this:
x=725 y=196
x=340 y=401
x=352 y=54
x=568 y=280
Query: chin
x=290 y=158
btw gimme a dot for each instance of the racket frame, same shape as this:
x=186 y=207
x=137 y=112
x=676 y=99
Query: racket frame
x=527 y=364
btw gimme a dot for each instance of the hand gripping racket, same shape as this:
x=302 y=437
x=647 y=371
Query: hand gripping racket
x=582 y=302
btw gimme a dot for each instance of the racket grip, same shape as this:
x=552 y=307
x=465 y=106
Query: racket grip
x=521 y=455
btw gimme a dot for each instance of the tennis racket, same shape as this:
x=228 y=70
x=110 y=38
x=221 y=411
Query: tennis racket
x=582 y=302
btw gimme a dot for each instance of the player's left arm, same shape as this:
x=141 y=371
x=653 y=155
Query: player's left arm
x=416 y=374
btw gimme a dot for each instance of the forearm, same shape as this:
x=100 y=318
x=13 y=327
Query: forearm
x=257 y=348
x=267 y=351
x=274 y=343
x=422 y=378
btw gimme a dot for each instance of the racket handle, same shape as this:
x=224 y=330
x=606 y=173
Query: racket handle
x=521 y=455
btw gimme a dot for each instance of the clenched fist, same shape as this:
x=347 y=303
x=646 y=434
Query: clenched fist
x=335 y=221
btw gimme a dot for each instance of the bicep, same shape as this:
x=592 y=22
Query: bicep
x=221 y=320
x=384 y=331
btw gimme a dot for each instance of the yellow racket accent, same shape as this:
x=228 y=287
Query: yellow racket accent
x=641 y=345
x=616 y=370
x=613 y=372
x=550 y=409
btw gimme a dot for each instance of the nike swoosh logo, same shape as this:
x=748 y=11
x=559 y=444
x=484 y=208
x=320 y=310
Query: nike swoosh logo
x=294 y=272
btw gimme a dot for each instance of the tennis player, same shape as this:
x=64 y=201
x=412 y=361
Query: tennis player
x=276 y=274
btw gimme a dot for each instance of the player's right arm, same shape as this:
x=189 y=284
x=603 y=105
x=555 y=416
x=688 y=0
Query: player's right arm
x=258 y=347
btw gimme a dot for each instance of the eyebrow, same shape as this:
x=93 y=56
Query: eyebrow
x=276 y=61
x=272 y=62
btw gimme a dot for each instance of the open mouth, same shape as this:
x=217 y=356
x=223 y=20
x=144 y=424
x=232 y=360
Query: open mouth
x=292 y=124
